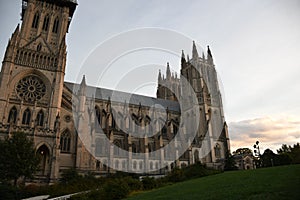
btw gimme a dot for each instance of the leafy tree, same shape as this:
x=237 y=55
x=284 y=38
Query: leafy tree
x=18 y=158
x=230 y=162
x=270 y=159
x=295 y=154
x=243 y=151
x=290 y=154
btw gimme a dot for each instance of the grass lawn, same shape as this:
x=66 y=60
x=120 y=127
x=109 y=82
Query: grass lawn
x=268 y=183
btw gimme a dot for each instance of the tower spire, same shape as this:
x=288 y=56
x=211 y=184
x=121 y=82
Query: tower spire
x=183 y=61
x=82 y=88
x=159 y=76
x=195 y=55
x=209 y=52
x=168 y=73
x=209 y=55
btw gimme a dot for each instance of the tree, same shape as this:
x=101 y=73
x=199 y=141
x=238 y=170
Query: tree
x=18 y=158
x=230 y=162
x=290 y=154
x=243 y=151
x=270 y=159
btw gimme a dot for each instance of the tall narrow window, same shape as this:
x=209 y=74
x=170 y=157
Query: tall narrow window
x=99 y=147
x=26 y=117
x=12 y=117
x=46 y=23
x=117 y=146
x=217 y=151
x=35 y=21
x=97 y=116
x=65 y=142
x=55 y=25
x=40 y=118
x=134 y=148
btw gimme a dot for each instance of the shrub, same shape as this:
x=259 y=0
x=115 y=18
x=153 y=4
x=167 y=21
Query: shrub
x=115 y=189
x=69 y=176
x=176 y=175
x=149 y=183
x=7 y=192
x=133 y=184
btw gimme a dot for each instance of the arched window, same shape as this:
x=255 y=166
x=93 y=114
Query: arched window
x=103 y=121
x=46 y=23
x=134 y=164
x=117 y=146
x=97 y=118
x=141 y=164
x=35 y=21
x=134 y=148
x=65 y=142
x=217 y=151
x=55 y=25
x=98 y=147
x=196 y=156
x=40 y=118
x=12 y=117
x=123 y=164
x=151 y=165
x=26 y=117
x=117 y=164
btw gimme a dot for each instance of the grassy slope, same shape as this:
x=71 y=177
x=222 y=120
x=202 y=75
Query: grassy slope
x=267 y=183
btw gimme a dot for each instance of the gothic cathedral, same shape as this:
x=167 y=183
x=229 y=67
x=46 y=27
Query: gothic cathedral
x=99 y=130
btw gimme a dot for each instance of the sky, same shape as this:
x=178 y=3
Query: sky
x=255 y=45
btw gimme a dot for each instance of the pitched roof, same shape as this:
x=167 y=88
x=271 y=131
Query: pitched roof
x=122 y=97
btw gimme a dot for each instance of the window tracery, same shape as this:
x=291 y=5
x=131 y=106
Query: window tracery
x=31 y=88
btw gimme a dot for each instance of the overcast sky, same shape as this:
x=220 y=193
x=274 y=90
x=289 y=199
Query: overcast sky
x=255 y=45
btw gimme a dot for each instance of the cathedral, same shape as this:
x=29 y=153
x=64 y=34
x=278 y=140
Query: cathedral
x=93 y=129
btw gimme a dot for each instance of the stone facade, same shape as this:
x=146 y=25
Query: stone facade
x=100 y=130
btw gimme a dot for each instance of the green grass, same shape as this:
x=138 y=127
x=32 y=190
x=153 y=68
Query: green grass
x=268 y=183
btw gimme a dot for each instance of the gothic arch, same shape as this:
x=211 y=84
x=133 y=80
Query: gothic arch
x=65 y=141
x=217 y=150
x=36 y=20
x=40 y=118
x=55 y=25
x=196 y=156
x=46 y=22
x=98 y=115
x=44 y=152
x=12 y=115
x=26 y=117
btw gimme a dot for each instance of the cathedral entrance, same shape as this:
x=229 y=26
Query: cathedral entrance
x=44 y=153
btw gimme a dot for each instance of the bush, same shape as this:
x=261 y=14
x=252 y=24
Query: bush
x=7 y=192
x=149 y=183
x=176 y=175
x=115 y=189
x=69 y=176
x=133 y=184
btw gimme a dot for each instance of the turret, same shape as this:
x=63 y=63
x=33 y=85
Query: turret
x=82 y=94
x=82 y=88
x=209 y=56
x=195 y=55
x=159 y=77
x=168 y=73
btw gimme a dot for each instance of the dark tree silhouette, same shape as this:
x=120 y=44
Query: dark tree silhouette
x=18 y=158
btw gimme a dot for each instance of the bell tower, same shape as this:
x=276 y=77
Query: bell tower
x=33 y=67
x=32 y=78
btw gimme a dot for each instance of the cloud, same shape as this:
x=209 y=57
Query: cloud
x=270 y=132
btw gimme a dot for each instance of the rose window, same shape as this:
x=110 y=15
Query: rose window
x=31 y=88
